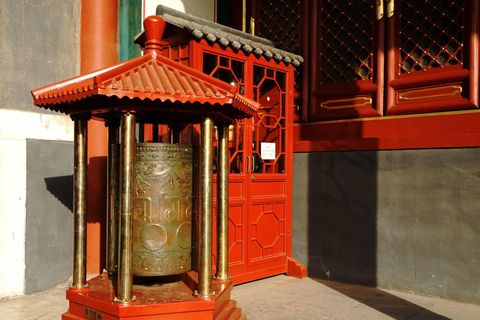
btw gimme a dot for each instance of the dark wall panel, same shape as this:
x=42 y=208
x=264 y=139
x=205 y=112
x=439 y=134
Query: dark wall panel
x=49 y=217
x=401 y=219
x=337 y=192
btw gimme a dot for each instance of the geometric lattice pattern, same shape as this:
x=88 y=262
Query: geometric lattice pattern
x=346 y=40
x=236 y=237
x=268 y=230
x=280 y=22
x=269 y=125
x=431 y=34
x=233 y=72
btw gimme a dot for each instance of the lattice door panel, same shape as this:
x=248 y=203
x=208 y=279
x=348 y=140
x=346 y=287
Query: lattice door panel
x=236 y=237
x=226 y=69
x=279 y=21
x=267 y=232
x=432 y=34
x=347 y=29
x=429 y=57
x=269 y=124
x=236 y=143
x=347 y=64
x=178 y=52
x=233 y=72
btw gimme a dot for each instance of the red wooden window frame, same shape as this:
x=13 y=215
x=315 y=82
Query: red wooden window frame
x=360 y=98
x=427 y=125
x=449 y=88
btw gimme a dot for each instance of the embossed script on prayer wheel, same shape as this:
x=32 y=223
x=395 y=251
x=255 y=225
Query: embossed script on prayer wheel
x=163 y=209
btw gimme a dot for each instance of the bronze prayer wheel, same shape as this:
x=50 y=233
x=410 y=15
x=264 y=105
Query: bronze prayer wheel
x=163 y=209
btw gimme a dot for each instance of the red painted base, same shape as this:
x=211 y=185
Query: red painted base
x=164 y=302
x=296 y=269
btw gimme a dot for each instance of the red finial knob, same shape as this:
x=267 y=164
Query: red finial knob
x=154 y=28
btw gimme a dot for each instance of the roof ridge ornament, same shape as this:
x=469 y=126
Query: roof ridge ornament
x=154 y=29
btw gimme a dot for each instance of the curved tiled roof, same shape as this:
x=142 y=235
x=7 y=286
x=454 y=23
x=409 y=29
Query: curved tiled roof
x=150 y=77
x=214 y=32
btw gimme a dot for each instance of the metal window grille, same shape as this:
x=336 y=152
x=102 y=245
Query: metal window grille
x=280 y=22
x=431 y=34
x=346 y=39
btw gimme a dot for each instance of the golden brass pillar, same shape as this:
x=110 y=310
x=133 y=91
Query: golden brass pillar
x=112 y=189
x=222 y=201
x=206 y=209
x=80 y=204
x=125 y=231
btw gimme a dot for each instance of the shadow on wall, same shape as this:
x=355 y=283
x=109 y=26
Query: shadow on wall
x=62 y=189
x=342 y=213
x=49 y=218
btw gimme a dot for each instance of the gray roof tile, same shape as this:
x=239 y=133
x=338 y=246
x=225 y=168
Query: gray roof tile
x=214 y=32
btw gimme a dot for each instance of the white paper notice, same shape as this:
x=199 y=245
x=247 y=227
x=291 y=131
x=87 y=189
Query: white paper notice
x=267 y=150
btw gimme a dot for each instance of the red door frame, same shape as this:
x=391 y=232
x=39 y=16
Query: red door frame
x=247 y=271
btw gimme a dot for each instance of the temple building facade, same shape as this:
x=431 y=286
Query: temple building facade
x=370 y=176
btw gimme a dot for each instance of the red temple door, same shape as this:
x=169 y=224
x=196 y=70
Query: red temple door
x=260 y=165
x=233 y=70
x=269 y=208
x=260 y=150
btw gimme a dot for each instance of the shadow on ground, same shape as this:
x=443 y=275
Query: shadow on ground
x=384 y=302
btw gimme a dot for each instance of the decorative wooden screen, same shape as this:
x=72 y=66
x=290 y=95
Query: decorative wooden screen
x=431 y=35
x=430 y=56
x=346 y=66
x=346 y=41
x=231 y=71
x=279 y=21
x=387 y=57
x=270 y=123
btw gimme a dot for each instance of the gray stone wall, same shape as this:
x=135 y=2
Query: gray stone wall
x=49 y=222
x=407 y=220
x=39 y=45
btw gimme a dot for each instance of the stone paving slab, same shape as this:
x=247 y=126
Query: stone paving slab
x=47 y=305
x=283 y=298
